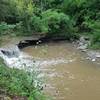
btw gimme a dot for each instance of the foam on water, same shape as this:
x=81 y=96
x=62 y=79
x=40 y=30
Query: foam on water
x=17 y=59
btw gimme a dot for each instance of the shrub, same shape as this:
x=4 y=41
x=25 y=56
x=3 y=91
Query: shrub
x=95 y=34
x=17 y=82
x=96 y=38
x=36 y=24
x=53 y=23
x=5 y=28
x=54 y=20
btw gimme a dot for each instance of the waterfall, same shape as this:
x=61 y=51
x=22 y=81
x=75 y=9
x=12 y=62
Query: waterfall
x=14 y=58
x=10 y=52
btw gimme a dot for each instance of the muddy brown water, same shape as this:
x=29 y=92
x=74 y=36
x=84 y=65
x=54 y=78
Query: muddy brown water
x=72 y=77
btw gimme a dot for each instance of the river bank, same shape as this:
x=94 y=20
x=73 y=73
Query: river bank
x=83 y=44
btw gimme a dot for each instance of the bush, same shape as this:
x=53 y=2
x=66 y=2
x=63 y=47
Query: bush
x=5 y=28
x=19 y=83
x=96 y=38
x=94 y=34
x=36 y=24
x=53 y=23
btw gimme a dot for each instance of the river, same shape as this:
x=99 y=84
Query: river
x=66 y=72
x=69 y=76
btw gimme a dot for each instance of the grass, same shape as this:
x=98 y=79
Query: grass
x=15 y=82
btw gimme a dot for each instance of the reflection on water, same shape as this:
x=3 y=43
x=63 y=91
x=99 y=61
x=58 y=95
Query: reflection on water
x=68 y=75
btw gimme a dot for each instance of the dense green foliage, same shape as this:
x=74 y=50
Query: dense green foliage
x=68 y=18
x=14 y=82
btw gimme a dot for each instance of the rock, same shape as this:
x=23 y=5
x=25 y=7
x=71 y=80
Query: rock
x=93 y=59
x=82 y=40
x=82 y=47
x=84 y=50
x=82 y=44
x=93 y=55
x=98 y=55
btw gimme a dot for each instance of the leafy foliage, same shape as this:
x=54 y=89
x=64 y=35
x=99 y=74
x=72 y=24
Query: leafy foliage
x=5 y=28
x=19 y=83
x=52 y=23
x=51 y=17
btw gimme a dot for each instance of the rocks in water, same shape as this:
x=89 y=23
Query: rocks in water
x=83 y=43
x=93 y=55
x=83 y=47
